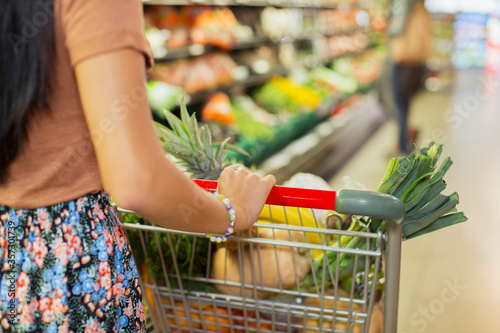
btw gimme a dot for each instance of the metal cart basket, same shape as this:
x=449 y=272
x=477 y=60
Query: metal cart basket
x=266 y=279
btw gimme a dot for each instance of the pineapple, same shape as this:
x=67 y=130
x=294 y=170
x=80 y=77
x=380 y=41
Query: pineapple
x=193 y=146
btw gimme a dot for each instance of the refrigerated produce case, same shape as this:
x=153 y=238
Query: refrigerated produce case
x=297 y=61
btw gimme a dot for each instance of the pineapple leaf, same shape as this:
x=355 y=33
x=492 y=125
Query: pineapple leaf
x=232 y=148
x=178 y=151
x=169 y=136
x=237 y=149
x=193 y=146
x=177 y=126
x=206 y=138
x=194 y=133
x=223 y=156
x=184 y=114
x=203 y=161
x=220 y=150
x=174 y=148
x=159 y=130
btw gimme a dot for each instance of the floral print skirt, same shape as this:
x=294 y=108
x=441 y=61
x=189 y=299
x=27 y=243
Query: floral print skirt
x=68 y=268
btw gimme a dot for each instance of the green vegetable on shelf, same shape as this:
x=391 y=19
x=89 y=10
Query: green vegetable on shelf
x=273 y=100
x=248 y=126
x=342 y=83
x=162 y=95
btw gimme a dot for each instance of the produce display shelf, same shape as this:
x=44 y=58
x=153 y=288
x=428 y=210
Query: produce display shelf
x=257 y=79
x=314 y=61
x=357 y=40
x=195 y=50
x=309 y=35
x=329 y=144
x=199 y=49
x=256 y=3
x=290 y=134
x=251 y=81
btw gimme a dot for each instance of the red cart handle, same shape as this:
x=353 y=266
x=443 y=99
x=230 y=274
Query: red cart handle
x=288 y=196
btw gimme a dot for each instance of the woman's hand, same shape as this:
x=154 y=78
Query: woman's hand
x=247 y=192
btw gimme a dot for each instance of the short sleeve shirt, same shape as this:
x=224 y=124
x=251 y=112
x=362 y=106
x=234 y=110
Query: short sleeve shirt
x=58 y=162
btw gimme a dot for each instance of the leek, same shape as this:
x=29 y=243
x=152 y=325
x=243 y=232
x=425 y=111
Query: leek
x=416 y=180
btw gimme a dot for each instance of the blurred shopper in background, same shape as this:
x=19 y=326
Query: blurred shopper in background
x=410 y=45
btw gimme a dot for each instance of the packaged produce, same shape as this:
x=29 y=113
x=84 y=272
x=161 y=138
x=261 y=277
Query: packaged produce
x=251 y=120
x=332 y=81
x=162 y=95
x=343 y=44
x=216 y=26
x=196 y=74
x=189 y=25
x=365 y=68
x=280 y=22
x=218 y=108
x=281 y=95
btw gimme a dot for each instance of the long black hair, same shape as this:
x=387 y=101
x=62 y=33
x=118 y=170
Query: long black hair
x=26 y=57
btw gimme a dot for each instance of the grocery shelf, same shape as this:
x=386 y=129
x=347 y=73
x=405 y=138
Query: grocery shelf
x=332 y=142
x=252 y=81
x=305 y=136
x=199 y=49
x=257 y=79
x=256 y=3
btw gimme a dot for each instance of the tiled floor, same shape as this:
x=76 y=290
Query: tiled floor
x=450 y=279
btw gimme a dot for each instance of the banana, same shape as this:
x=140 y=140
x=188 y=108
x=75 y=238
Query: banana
x=297 y=217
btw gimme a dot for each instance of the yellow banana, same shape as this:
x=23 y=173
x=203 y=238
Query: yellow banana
x=294 y=216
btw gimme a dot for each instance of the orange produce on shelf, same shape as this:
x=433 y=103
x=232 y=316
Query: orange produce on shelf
x=218 y=108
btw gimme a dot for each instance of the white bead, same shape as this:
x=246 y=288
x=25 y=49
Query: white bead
x=225 y=201
x=232 y=212
x=230 y=230
x=212 y=238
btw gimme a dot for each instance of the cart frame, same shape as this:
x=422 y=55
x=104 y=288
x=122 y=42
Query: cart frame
x=344 y=201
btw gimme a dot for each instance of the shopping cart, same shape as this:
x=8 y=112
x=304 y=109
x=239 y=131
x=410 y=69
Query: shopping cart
x=259 y=287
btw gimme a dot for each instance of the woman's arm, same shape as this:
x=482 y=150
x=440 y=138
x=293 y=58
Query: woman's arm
x=133 y=167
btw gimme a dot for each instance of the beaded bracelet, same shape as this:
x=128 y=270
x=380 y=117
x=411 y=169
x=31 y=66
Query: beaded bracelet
x=232 y=218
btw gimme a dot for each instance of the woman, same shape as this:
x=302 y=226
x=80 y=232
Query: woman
x=410 y=43
x=75 y=125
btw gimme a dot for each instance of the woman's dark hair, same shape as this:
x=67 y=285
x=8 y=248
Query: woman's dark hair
x=26 y=58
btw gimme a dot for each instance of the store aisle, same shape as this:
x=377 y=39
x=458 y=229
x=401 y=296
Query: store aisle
x=450 y=278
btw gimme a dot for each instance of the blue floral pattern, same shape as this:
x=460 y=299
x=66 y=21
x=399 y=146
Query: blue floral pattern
x=68 y=268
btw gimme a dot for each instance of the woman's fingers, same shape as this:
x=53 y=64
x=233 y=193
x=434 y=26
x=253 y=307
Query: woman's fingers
x=247 y=192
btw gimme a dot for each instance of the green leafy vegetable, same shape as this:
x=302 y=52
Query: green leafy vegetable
x=418 y=182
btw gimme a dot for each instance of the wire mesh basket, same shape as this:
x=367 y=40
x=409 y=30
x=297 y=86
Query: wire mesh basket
x=283 y=275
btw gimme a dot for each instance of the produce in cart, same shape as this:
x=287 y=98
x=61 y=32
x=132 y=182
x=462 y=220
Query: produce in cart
x=203 y=159
x=265 y=266
x=263 y=270
x=418 y=182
